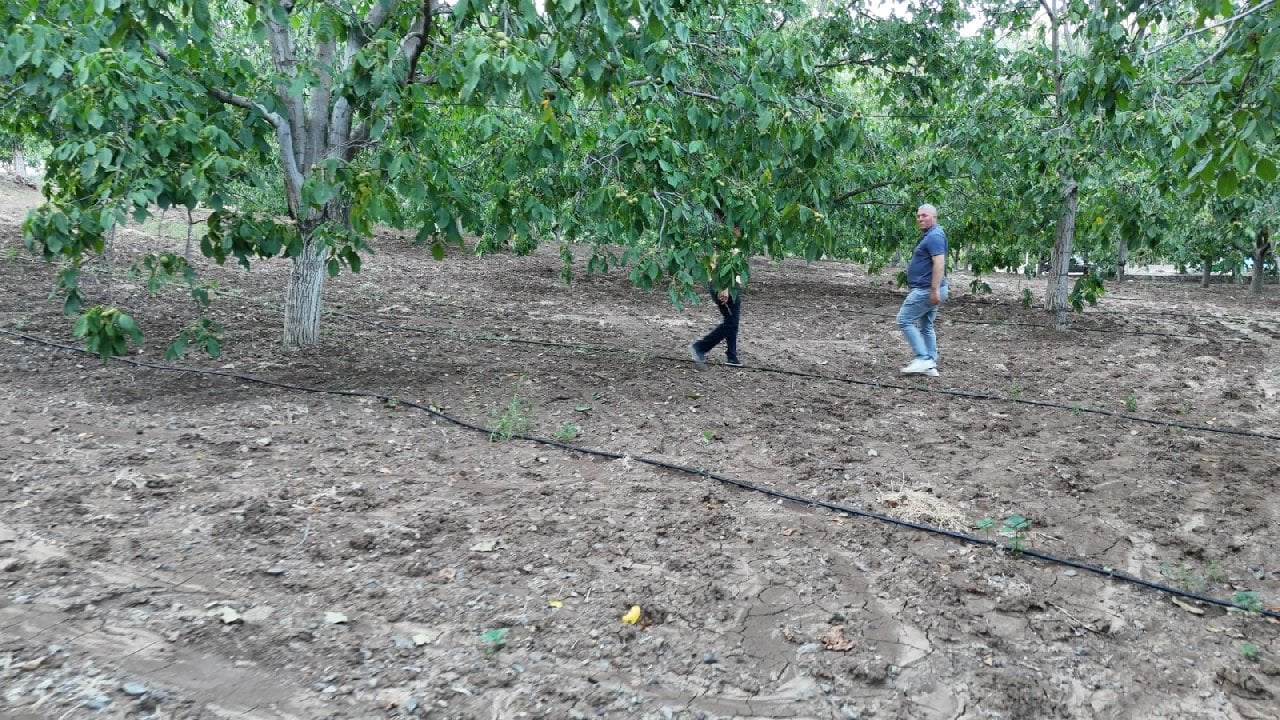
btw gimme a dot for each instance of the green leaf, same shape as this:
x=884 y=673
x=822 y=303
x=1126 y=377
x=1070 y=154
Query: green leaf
x=1201 y=167
x=1227 y=183
x=81 y=327
x=1017 y=522
x=176 y=350
x=1265 y=169
x=129 y=326
x=1241 y=157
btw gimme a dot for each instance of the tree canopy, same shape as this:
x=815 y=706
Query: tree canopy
x=676 y=138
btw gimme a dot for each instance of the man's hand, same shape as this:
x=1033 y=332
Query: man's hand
x=724 y=297
x=935 y=298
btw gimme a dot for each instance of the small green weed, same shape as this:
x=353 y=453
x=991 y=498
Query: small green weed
x=1250 y=651
x=1017 y=529
x=985 y=525
x=1075 y=408
x=1131 y=403
x=1182 y=576
x=1027 y=298
x=708 y=435
x=979 y=287
x=567 y=432
x=1248 y=600
x=1015 y=390
x=516 y=419
x=494 y=640
x=1214 y=573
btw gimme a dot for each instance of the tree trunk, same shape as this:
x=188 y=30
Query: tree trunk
x=302 y=297
x=1055 y=300
x=1204 y=273
x=1261 y=249
x=18 y=160
x=1122 y=257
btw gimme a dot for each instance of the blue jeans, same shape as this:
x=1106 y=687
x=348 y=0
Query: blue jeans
x=916 y=316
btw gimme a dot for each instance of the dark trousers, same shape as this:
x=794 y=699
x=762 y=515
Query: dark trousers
x=727 y=330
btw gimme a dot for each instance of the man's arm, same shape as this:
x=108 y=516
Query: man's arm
x=935 y=284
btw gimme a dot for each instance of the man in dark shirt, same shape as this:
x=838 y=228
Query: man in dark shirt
x=926 y=275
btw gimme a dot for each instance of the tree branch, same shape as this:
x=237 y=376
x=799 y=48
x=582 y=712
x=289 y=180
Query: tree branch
x=1192 y=33
x=863 y=190
x=378 y=15
x=284 y=134
x=321 y=95
x=1199 y=68
x=844 y=63
x=414 y=43
x=286 y=63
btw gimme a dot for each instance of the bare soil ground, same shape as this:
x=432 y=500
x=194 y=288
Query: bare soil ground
x=191 y=544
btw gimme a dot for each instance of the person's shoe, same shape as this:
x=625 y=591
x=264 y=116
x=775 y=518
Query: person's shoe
x=919 y=366
x=697 y=355
x=931 y=372
x=735 y=362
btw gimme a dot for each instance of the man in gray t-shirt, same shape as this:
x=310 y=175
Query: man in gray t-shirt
x=927 y=277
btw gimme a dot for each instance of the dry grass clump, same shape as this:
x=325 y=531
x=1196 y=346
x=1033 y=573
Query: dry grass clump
x=923 y=507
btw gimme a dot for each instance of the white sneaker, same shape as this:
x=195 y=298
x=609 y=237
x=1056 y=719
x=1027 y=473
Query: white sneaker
x=931 y=372
x=919 y=367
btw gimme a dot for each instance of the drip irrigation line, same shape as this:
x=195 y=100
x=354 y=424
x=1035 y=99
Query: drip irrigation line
x=972 y=395
x=1206 y=338
x=1185 y=315
x=1177 y=316
x=1035 y=403
x=998 y=323
x=814 y=376
x=1103 y=570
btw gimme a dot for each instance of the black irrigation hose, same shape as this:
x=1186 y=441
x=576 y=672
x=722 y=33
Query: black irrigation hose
x=1004 y=323
x=853 y=381
x=724 y=479
x=1000 y=323
x=1035 y=403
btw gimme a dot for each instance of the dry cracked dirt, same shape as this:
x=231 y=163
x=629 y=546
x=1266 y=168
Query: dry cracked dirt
x=309 y=534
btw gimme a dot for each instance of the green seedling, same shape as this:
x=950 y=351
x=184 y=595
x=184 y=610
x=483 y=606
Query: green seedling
x=1214 y=573
x=1027 y=298
x=1247 y=600
x=1017 y=529
x=1015 y=390
x=1131 y=403
x=516 y=419
x=985 y=525
x=567 y=432
x=1183 y=577
x=708 y=435
x=1250 y=651
x=494 y=640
